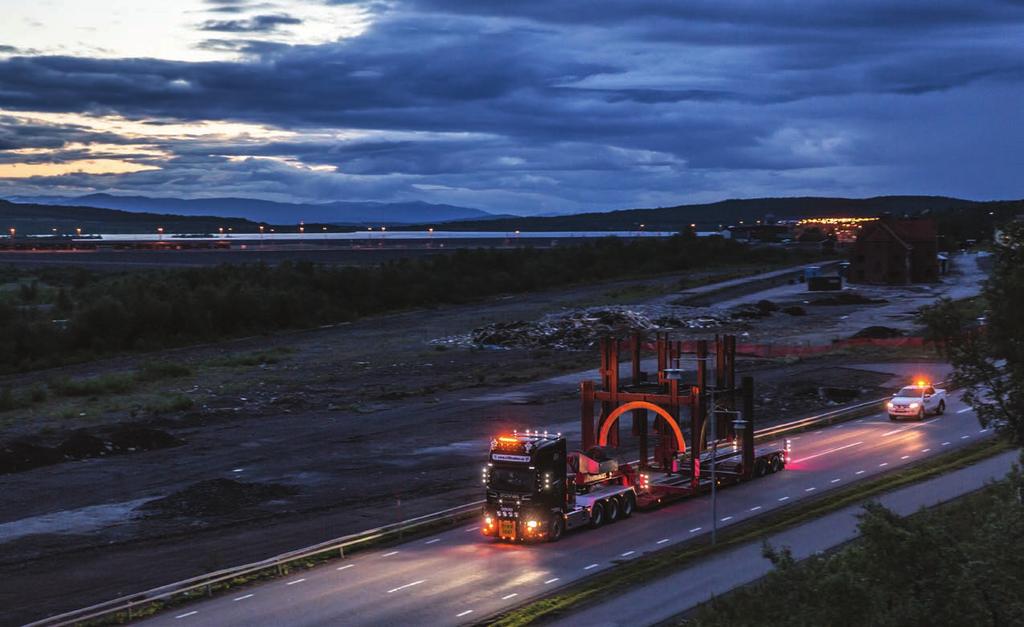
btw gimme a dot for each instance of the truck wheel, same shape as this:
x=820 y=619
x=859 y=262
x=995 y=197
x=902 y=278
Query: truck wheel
x=776 y=463
x=942 y=408
x=556 y=528
x=596 y=515
x=628 y=505
x=892 y=418
x=760 y=468
x=611 y=510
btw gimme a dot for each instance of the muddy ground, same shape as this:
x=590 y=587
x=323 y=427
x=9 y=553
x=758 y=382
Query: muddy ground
x=316 y=434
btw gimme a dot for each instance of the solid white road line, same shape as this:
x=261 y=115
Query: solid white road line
x=243 y=597
x=662 y=541
x=964 y=410
x=345 y=566
x=292 y=583
x=432 y=541
x=461 y=614
x=408 y=585
x=187 y=614
x=831 y=450
x=509 y=596
x=627 y=553
x=785 y=498
x=696 y=529
x=589 y=567
x=552 y=580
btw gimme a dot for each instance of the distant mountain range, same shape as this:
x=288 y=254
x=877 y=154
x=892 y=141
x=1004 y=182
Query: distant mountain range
x=36 y=219
x=712 y=216
x=345 y=213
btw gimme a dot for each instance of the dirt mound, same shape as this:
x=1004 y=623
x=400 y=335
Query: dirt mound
x=129 y=438
x=82 y=445
x=215 y=497
x=760 y=309
x=794 y=310
x=877 y=333
x=576 y=330
x=848 y=298
x=19 y=456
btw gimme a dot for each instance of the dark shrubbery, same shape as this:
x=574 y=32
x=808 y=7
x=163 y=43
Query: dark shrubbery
x=153 y=309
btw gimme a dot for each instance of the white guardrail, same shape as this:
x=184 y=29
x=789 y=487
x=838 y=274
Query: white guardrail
x=127 y=608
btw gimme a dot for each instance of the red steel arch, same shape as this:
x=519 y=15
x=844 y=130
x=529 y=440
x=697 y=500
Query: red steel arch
x=607 y=423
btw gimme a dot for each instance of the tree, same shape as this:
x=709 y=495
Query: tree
x=988 y=360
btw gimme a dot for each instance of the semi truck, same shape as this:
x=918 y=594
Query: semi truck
x=536 y=489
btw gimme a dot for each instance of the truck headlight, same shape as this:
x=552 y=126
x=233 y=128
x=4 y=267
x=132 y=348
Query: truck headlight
x=488 y=520
x=531 y=524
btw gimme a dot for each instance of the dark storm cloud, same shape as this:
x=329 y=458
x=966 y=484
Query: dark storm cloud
x=566 y=104
x=255 y=24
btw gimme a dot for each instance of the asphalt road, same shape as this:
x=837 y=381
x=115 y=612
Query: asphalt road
x=459 y=577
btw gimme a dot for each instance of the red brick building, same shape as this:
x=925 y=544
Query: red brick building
x=896 y=251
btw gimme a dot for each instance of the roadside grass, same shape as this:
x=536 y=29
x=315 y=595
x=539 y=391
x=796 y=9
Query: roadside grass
x=254 y=358
x=660 y=563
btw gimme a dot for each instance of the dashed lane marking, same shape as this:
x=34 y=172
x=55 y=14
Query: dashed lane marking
x=662 y=541
x=785 y=498
x=755 y=508
x=292 y=583
x=509 y=596
x=408 y=585
x=472 y=529
x=983 y=430
x=831 y=450
x=925 y=450
x=905 y=457
x=727 y=518
x=696 y=529
x=627 y=553
x=461 y=614
x=883 y=464
x=810 y=489
x=964 y=410
x=432 y=541
x=945 y=444
x=345 y=566
x=187 y=614
x=859 y=472
x=589 y=567
x=552 y=580
x=390 y=553
x=964 y=437
x=243 y=597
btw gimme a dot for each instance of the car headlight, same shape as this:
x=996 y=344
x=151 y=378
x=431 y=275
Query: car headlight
x=890 y=404
x=915 y=405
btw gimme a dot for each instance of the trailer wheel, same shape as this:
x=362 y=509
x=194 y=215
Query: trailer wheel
x=776 y=463
x=611 y=510
x=760 y=468
x=556 y=528
x=596 y=515
x=628 y=505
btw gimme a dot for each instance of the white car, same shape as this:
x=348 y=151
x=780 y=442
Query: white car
x=917 y=401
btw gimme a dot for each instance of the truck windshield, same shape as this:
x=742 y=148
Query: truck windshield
x=512 y=479
x=910 y=391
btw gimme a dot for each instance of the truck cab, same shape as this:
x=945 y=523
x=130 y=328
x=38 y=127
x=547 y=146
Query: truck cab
x=917 y=401
x=536 y=490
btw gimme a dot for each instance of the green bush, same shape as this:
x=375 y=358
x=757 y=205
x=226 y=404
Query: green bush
x=93 y=386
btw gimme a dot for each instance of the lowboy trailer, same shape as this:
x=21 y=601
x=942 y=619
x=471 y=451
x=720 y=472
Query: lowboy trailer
x=537 y=489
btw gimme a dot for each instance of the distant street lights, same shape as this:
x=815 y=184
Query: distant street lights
x=160 y=233
x=13 y=232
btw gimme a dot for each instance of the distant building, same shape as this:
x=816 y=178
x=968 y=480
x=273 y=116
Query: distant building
x=896 y=251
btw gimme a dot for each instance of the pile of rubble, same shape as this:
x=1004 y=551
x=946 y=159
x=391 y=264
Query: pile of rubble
x=215 y=497
x=582 y=329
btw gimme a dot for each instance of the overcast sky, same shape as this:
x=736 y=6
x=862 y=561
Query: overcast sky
x=529 y=106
